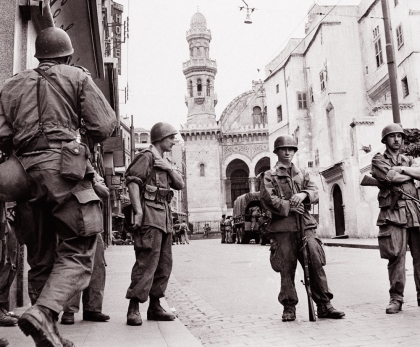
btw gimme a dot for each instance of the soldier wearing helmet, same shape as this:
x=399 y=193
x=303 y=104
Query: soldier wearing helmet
x=149 y=179
x=287 y=192
x=399 y=217
x=40 y=111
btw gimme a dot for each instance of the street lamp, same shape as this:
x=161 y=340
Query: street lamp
x=248 y=14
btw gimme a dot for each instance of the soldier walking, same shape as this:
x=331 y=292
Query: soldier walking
x=149 y=179
x=399 y=217
x=285 y=191
x=40 y=112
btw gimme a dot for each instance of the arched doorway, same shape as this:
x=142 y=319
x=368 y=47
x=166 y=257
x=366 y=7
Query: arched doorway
x=237 y=174
x=340 y=226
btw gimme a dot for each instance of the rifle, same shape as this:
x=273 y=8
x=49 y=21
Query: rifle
x=369 y=181
x=306 y=282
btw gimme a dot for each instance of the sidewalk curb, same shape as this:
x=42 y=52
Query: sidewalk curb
x=350 y=245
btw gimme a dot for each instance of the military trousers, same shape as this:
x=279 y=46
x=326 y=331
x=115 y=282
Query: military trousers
x=8 y=255
x=59 y=227
x=285 y=252
x=93 y=295
x=153 y=266
x=393 y=242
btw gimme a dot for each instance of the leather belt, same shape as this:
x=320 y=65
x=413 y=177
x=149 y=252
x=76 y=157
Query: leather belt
x=52 y=144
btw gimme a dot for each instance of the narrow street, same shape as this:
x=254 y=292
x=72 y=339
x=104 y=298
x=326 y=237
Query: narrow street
x=226 y=295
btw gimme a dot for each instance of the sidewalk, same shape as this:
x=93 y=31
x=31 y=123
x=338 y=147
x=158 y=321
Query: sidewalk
x=352 y=243
x=115 y=332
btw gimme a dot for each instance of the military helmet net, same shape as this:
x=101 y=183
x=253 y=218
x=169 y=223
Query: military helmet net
x=392 y=129
x=53 y=43
x=161 y=130
x=285 y=141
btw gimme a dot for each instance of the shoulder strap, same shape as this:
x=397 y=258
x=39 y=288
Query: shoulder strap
x=277 y=186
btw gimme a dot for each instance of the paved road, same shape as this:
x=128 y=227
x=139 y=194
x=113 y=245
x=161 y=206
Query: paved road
x=226 y=294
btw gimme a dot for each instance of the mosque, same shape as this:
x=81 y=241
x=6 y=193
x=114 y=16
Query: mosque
x=222 y=157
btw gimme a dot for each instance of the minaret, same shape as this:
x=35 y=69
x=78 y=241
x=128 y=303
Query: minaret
x=199 y=71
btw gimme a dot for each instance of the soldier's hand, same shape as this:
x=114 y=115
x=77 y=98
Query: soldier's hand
x=398 y=169
x=300 y=209
x=163 y=164
x=138 y=221
x=297 y=199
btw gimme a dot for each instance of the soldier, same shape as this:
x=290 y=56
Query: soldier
x=284 y=191
x=399 y=217
x=222 y=228
x=40 y=112
x=150 y=178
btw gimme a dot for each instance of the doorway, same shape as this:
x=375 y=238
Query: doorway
x=340 y=226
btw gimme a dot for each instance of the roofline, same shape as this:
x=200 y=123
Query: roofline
x=370 y=8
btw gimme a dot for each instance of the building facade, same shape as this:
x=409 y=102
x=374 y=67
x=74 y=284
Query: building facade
x=331 y=91
x=222 y=157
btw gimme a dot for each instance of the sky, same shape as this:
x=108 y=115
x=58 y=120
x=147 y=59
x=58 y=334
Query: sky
x=153 y=55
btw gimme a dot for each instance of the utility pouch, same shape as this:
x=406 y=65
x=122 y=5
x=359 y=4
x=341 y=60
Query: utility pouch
x=162 y=195
x=275 y=261
x=74 y=158
x=150 y=192
x=389 y=244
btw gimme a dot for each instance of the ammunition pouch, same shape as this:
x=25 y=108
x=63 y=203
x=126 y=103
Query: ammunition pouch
x=74 y=159
x=158 y=194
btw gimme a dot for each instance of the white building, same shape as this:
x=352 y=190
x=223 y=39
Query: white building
x=331 y=91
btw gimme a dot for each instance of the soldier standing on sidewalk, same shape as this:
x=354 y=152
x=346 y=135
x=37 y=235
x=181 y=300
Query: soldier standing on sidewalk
x=285 y=191
x=223 y=228
x=399 y=218
x=40 y=113
x=149 y=179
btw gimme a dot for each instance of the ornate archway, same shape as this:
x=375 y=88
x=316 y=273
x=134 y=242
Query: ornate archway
x=237 y=174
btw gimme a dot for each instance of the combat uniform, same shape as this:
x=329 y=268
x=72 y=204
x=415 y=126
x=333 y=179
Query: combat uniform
x=153 y=243
x=284 y=227
x=397 y=226
x=60 y=224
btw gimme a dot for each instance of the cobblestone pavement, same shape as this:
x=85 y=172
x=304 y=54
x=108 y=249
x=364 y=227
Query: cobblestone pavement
x=191 y=291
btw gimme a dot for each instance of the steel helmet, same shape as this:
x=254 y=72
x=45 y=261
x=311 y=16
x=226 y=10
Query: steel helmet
x=285 y=141
x=14 y=181
x=393 y=128
x=160 y=131
x=53 y=43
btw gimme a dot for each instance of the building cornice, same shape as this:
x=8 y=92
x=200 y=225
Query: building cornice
x=370 y=8
x=389 y=107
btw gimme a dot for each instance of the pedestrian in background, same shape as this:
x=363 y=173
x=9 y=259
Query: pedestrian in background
x=222 y=228
x=8 y=257
x=206 y=230
x=399 y=217
x=149 y=179
x=176 y=232
x=41 y=111
x=284 y=191
x=183 y=230
x=228 y=229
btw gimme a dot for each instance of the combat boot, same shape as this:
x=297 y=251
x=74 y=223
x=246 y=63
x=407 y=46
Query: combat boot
x=133 y=314
x=6 y=320
x=156 y=312
x=67 y=318
x=289 y=314
x=95 y=316
x=394 y=306
x=38 y=321
x=326 y=310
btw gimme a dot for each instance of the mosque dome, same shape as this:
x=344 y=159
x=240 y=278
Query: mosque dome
x=198 y=20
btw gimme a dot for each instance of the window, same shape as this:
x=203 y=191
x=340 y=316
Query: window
x=400 y=38
x=279 y=114
x=311 y=94
x=301 y=100
x=378 y=47
x=405 y=89
x=277 y=88
x=208 y=87
x=317 y=157
x=202 y=173
x=322 y=80
x=144 y=137
x=190 y=88
x=199 y=86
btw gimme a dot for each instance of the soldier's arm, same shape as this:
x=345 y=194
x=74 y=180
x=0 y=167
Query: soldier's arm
x=99 y=117
x=413 y=170
x=136 y=203
x=270 y=198
x=6 y=132
x=383 y=171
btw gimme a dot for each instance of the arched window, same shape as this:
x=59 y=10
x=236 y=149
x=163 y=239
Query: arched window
x=190 y=88
x=208 y=87
x=202 y=173
x=199 y=86
x=256 y=111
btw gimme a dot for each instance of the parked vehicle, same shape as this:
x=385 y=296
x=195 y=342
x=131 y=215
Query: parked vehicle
x=245 y=229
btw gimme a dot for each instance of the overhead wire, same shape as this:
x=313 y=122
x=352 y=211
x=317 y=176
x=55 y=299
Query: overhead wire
x=260 y=88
